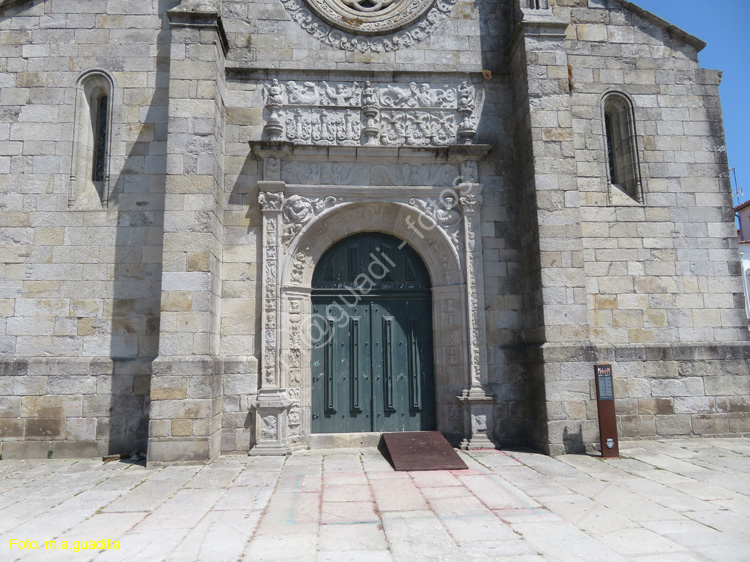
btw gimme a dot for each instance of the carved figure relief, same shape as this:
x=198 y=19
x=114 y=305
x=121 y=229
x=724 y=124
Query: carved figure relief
x=299 y=210
x=378 y=114
x=270 y=201
x=268 y=428
x=443 y=211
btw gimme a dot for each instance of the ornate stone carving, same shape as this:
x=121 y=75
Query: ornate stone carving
x=298 y=211
x=471 y=203
x=413 y=174
x=380 y=114
x=469 y=173
x=293 y=395
x=274 y=128
x=271 y=169
x=298 y=266
x=307 y=94
x=445 y=213
x=352 y=25
x=371 y=110
x=270 y=201
x=268 y=428
x=466 y=106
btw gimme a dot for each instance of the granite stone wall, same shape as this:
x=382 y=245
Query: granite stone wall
x=130 y=309
x=81 y=271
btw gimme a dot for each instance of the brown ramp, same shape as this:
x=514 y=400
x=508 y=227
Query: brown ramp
x=422 y=450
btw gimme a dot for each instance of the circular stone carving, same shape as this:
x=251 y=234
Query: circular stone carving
x=370 y=17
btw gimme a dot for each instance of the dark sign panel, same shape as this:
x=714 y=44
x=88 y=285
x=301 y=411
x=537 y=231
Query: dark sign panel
x=605 y=403
x=604 y=382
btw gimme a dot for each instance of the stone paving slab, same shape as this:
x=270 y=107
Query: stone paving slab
x=663 y=501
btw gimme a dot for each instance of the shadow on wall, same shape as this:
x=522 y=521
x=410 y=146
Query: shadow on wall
x=573 y=442
x=139 y=196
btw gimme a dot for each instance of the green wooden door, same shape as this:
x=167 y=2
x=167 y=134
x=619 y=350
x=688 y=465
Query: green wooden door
x=372 y=362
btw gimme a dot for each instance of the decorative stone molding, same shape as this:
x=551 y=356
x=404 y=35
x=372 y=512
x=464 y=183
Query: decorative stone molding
x=372 y=114
x=401 y=24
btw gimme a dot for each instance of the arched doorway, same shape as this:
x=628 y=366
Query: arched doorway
x=372 y=354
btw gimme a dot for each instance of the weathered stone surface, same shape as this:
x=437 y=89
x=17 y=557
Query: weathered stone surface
x=549 y=264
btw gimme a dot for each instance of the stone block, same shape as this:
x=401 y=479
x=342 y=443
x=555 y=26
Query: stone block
x=80 y=429
x=169 y=393
x=45 y=428
x=75 y=449
x=690 y=386
x=723 y=385
x=694 y=405
x=661 y=369
x=656 y=406
x=181 y=428
x=26 y=449
x=637 y=426
x=717 y=424
x=674 y=425
x=739 y=423
x=183 y=450
x=11 y=428
x=59 y=406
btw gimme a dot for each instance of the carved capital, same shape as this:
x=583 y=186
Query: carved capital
x=471 y=202
x=270 y=201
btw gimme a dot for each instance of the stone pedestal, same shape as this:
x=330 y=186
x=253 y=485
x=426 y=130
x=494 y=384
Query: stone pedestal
x=477 y=415
x=272 y=407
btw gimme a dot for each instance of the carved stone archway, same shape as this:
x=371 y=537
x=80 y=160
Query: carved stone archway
x=300 y=222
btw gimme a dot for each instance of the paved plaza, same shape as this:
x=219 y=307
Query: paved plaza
x=665 y=501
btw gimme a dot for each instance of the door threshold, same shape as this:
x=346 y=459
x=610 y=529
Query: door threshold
x=341 y=440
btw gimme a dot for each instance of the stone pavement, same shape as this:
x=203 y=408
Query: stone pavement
x=665 y=501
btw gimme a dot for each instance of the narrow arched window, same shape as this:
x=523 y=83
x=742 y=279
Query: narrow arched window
x=91 y=142
x=620 y=139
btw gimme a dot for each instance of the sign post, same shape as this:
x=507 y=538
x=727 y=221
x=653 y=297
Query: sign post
x=605 y=404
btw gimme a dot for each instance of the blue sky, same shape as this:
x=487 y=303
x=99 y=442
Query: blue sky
x=724 y=26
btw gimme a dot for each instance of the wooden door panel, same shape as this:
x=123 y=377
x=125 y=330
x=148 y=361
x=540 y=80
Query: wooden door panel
x=374 y=370
x=341 y=388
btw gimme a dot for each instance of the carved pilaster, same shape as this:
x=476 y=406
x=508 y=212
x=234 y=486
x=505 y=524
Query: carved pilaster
x=272 y=402
x=477 y=402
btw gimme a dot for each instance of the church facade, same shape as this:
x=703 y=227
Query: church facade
x=236 y=226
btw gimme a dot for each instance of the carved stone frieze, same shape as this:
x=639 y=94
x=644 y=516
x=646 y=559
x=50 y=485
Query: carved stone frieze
x=413 y=174
x=364 y=25
x=396 y=175
x=379 y=114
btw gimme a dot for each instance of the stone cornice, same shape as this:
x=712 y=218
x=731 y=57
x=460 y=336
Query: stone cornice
x=379 y=154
